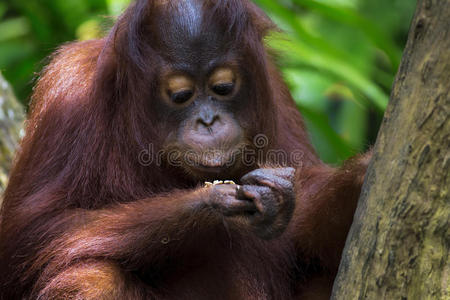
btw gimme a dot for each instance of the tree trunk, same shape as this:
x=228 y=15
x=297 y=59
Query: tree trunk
x=398 y=245
x=11 y=122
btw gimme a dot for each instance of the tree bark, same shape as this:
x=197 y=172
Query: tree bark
x=11 y=124
x=398 y=245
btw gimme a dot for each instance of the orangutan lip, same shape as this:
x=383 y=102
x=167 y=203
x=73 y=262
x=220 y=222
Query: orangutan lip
x=212 y=161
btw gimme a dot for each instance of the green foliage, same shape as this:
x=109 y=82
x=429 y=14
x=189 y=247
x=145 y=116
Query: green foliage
x=31 y=29
x=339 y=57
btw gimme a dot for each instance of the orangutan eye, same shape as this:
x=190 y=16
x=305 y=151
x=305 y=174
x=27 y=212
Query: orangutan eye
x=223 y=89
x=180 y=89
x=181 y=97
x=222 y=81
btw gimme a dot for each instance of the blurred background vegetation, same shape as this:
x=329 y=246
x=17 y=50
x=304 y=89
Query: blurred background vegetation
x=339 y=57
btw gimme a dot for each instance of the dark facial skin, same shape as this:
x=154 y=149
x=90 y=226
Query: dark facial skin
x=202 y=96
x=205 y=129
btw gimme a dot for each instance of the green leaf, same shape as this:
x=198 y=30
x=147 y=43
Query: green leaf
x=2 y=9
x=331 y=147
x=296 y=50
x=317 y=52
x=116 y=7
x=346 y=15
x=352 y=124
x=12 y=52
x=14 y=28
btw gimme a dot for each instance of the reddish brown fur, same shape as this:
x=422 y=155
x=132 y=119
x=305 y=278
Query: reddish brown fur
x=83 y=219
